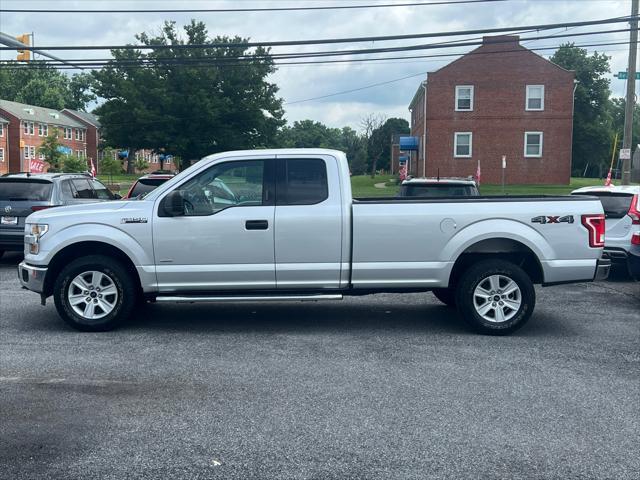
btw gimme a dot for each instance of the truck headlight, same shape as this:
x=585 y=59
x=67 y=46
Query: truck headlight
x=34 y=232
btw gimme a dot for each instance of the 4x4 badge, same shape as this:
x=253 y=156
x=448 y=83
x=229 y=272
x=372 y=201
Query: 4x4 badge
x=552 y=219
x=7 y=209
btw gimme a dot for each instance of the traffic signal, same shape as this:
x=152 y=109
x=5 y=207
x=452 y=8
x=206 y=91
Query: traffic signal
x=24 y=55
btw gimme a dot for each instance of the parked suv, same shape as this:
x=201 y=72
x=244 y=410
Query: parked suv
x=439 y=187
x=21 y=194
x=622 y=210
x=148 y=183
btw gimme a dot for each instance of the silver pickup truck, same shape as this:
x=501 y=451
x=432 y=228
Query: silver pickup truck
x=275 y=225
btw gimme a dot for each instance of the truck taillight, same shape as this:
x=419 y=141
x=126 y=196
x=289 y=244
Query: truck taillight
x=595 y=226
x=634 y=210
x=37 y=208
x=635 y=239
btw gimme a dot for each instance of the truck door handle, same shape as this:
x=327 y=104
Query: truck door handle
x=256 y=225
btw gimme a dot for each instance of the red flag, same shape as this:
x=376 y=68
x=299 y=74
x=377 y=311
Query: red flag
x=607 y=182
x=93 y=169
x=403 y=172
x=478 y=173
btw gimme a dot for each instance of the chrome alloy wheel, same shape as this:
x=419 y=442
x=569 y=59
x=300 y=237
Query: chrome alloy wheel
x=92 y=295
x=497 y=298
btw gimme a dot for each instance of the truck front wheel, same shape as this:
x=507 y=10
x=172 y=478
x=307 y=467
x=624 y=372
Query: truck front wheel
x=94 y=293
x=495 y=297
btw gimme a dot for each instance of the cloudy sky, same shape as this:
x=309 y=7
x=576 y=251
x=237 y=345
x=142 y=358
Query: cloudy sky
x=300 y=85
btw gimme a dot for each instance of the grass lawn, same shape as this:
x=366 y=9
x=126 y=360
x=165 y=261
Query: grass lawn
x=364 y=186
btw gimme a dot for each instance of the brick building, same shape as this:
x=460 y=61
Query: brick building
x=500 y=99
x=27 y=127
x=93 y=126
x=4 y=149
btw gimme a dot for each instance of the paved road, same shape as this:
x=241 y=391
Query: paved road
x=375 y=387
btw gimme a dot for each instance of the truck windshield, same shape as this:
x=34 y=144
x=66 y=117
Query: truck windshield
x=438 y=190
x=25 y=190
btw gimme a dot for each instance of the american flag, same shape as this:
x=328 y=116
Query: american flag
x=478 y=173
x=93 y=169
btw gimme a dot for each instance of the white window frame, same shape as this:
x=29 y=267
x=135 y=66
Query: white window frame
x=1 y=154
x=471 y=89
x=528 y=96
x=1 y=129
x=41 y=156
x=33 y=152
x=41 y=130
x=526 y=134
x=25 y=152
x=455 y=144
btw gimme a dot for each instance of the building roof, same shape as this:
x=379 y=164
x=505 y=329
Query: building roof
x=86 y=116
x=3 y=120
x=33 y=113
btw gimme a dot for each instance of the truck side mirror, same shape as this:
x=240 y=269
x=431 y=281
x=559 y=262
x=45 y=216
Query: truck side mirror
x=173 y=204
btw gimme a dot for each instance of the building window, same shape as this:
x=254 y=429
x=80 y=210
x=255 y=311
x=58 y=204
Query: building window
x=1 y=129
x=1 y=154
x=40 y=130
x=26 y=152
x=77 y=134
x=532 y=144
x=79 y=153
x=33 y=152
x=28 y=128
x=462 y=144
x=41 y=156
x=535 y=97
x=464 y=98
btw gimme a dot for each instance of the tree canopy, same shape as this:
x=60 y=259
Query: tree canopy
x=189 y=102
x=45 y=86
x=592 y=131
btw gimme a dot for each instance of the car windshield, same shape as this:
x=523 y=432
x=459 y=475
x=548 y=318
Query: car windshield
x=615 y=205
x=146 y=185
x=438 y=190
x=25 y=190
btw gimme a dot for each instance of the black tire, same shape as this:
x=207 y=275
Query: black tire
x=479 y=274
x=446 y=296
x=124 y=302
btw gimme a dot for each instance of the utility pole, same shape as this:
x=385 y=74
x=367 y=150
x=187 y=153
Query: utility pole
x=631 y=90
x=10 y=41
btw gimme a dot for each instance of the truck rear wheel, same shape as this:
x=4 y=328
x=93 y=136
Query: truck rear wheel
x=446 y=296
x=94 y=293
x=495 y=297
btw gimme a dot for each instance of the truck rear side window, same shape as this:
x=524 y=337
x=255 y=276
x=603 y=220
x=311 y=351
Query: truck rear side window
x=305 y=182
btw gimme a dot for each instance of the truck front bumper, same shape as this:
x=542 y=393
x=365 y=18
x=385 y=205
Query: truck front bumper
x=602 y=269
x=32 y=278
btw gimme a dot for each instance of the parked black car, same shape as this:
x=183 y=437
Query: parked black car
x=24 y=193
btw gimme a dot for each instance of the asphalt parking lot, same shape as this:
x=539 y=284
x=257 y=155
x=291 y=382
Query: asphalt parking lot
x=384 y=386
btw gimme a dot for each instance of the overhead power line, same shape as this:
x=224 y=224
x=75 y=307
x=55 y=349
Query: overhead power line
x=384 y=38
x=12 y=65
x=277 y=58
x=255 y=9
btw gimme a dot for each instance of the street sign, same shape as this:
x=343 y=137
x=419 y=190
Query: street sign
x=625 y=153
x=625 y=75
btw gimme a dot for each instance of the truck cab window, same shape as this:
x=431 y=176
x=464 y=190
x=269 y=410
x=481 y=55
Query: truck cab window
x=232 y=184
x=83 y=189
x=305 y=182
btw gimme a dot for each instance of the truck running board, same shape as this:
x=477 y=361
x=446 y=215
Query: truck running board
x=239 y=298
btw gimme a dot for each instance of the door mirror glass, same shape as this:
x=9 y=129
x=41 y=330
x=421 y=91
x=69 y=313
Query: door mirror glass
x=173 y=204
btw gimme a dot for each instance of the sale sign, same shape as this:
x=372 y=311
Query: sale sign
x=36 y=166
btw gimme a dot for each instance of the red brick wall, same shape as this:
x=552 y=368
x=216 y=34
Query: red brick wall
x=499 y=119
x=4 y=162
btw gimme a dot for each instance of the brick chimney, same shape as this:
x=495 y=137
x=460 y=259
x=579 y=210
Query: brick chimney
x=501 y=42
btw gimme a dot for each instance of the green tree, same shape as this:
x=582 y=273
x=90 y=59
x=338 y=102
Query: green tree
x=44 y=86
x=592 y=131
x=189 y=101
x=617 y=106
x=109 y=165
x=309 y=134
x=141 y=164
x=51 y=149
x=73 y=164
x=381 y=140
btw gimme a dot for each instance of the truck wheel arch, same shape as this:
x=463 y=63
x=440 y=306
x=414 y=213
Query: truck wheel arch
x=503 y=248
x=85 y=248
